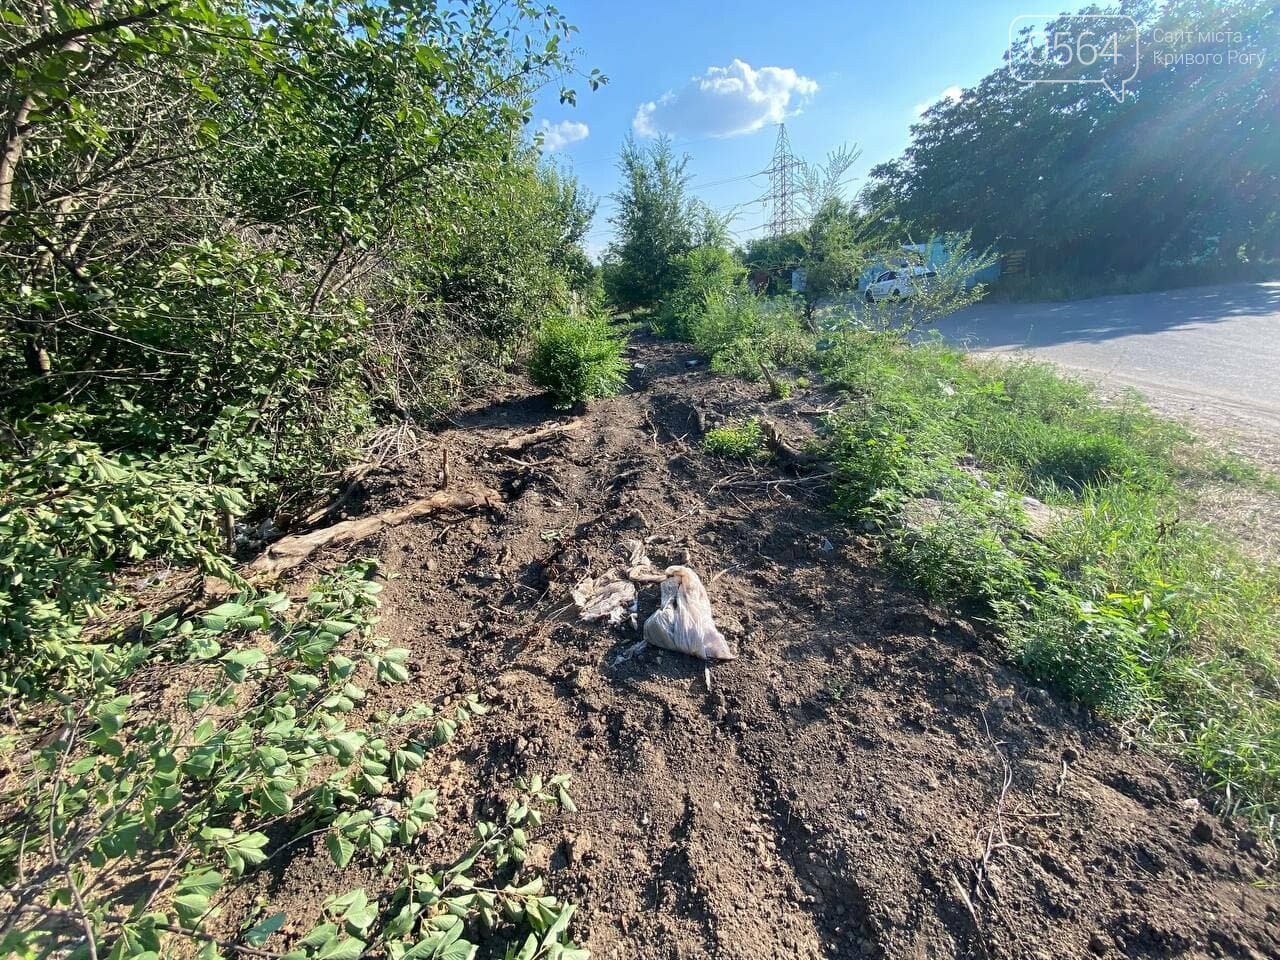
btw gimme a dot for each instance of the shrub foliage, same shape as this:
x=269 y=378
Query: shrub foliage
x=576 y=358
x=264 y=751
x=234 y=235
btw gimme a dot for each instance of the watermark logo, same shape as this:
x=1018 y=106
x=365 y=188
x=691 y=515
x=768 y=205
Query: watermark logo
x=1085 y=48
x=1211 y=47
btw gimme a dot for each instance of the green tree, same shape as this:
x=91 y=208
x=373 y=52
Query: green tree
x=231 y=235
x=1181 y=172
x=656 y=223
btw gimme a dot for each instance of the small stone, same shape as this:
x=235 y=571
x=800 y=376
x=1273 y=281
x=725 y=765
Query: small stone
x=431 y=566
x=382 y=807
x=1039 y=697
x=1202 y=832
x=1098 y=944
x=860 y=814
x=578 y=848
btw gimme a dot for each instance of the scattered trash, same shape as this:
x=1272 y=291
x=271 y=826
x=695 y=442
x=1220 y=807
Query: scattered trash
x=683 y=621
x=692 y=363
x=606 y=597
x=640 y=568
x=628 y=653
x=637 y=365
x=612 y=595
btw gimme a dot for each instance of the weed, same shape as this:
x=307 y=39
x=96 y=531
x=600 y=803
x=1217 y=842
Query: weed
x=1122 y=602
x=743 y=335
x=742 y=440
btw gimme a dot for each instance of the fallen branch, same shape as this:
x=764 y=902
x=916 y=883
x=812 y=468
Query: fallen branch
x=287 y=553
x=523 y=441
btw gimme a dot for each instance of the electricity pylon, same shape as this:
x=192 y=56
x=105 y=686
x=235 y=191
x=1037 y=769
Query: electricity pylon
x=784 y=183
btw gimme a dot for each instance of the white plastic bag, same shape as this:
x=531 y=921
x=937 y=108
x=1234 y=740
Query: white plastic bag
x=683 y=621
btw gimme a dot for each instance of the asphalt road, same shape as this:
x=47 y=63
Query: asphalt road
x=1213 y=347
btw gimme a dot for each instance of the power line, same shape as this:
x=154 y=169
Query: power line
x=716 y=183
x=614 y=157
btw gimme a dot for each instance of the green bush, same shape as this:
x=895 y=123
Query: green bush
x=269 y=747
x=742 y=440
x=74 y=515
x=576 y=359
x=745 y=335
x=697 y=277
x=228 y=343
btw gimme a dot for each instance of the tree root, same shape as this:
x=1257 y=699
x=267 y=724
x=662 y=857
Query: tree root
x=788 y=455
x=289 y=552
x=523 y=441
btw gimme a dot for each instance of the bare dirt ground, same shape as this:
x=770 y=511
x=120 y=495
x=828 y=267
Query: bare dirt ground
x=867 y=779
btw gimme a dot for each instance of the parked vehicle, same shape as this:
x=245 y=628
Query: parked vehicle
x=898 y=283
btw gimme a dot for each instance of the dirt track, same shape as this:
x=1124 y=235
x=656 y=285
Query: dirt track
x=866 y=779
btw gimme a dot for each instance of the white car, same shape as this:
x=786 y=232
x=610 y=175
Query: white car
x=897 y=283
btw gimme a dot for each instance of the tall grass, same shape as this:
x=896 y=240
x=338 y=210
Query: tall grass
x=1122 y=602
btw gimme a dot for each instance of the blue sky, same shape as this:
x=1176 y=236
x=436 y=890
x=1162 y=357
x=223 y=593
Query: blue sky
x=844 y=72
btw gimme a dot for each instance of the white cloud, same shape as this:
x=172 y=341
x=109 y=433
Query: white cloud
x=557 y=136
x=725 y=101
x=951 y=95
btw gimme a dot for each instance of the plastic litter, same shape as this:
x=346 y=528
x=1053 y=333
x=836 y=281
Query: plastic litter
x=683 y=621
x=605 y=598
x=612 y=595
